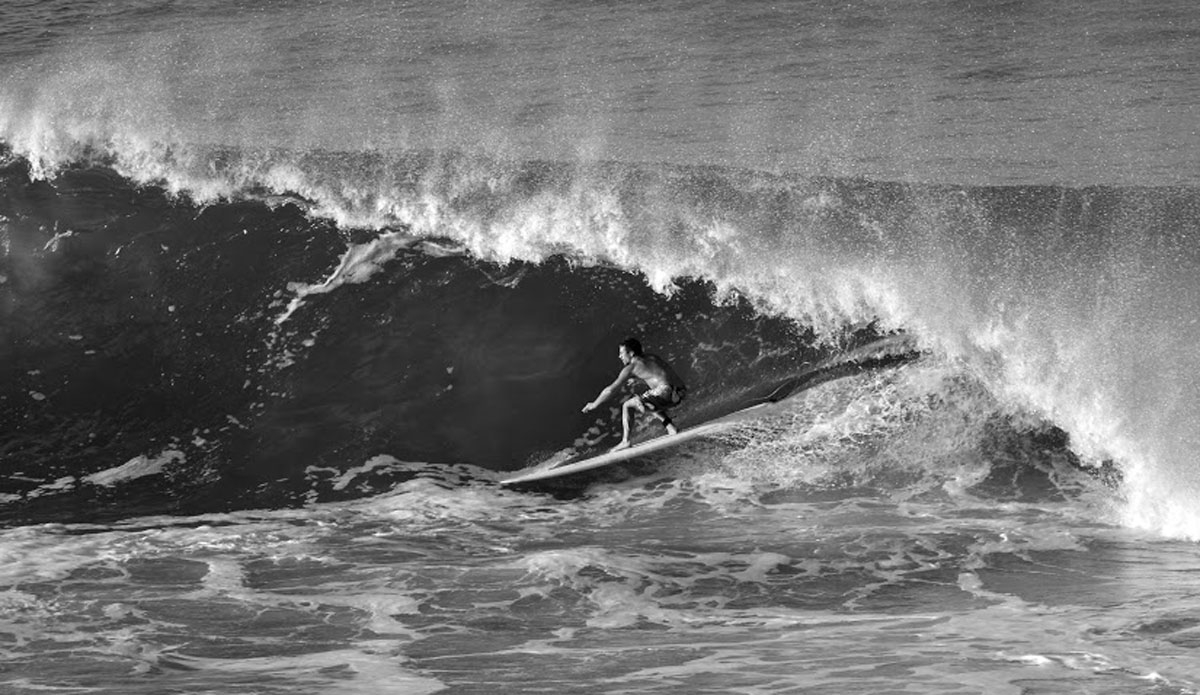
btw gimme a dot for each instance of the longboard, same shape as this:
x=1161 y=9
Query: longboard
x=641 y=449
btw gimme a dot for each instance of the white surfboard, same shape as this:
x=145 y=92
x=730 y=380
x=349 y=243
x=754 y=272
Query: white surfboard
x=641 y=449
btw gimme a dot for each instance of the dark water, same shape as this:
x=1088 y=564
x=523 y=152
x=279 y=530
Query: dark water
x=125 y=335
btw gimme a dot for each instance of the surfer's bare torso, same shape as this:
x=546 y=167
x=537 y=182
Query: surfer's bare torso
x=654 y=370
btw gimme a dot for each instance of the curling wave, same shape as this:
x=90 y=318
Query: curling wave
x=1070 y=305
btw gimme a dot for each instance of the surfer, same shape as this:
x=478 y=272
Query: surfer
x=666 y=389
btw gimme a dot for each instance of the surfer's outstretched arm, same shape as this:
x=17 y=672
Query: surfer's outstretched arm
x=609 y=390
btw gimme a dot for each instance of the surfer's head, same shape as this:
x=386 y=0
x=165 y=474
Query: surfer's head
x=630 y=348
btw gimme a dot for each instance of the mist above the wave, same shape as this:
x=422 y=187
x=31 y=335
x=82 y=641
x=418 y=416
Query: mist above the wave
x=798 y=87
x=149 y=96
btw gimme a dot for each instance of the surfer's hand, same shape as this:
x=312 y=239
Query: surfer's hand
x=589 y=407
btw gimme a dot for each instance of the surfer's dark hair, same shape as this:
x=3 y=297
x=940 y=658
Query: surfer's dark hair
x=633 y=345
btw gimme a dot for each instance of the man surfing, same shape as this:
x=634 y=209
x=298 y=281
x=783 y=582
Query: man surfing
x=666 y=389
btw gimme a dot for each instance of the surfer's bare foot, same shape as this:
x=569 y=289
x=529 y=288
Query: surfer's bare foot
x=672 y=429
x=623 y=445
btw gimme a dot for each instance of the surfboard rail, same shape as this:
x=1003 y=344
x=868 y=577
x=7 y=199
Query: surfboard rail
x=640 y=449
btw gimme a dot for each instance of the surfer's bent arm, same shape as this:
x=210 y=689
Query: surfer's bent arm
x=610 y=389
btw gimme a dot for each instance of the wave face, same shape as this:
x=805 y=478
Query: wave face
x=447 y=308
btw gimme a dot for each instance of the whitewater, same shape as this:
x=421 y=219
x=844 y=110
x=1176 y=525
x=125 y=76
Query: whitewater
x=286 y=290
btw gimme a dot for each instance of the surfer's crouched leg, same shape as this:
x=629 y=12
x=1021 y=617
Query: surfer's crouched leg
x=658 y=400
x=666 y=421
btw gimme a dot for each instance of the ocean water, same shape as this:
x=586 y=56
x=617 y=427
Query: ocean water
x=285 y=291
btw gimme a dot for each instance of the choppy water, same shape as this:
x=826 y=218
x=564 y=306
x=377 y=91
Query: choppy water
x=285 y=290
